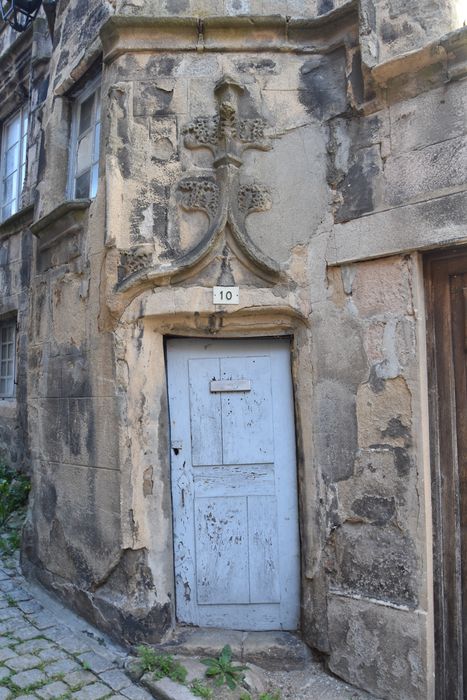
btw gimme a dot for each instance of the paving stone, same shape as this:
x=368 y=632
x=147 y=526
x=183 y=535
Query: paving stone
x=32 y=645
x=4 y=694
x=4 y=672
x=134 y=692
x=52 y=654
x=61 y=666
x=56 y=634
x=92 y=692
x=52 y=690
x=26 y=678
x=10 y=613
x=116 y=679
x=7 y=585
x=19 y=594
x=73 y=644
x=27 y=697
x=96 y=662
x=79 y=677
x=8 y=626
x=26 y=632
x=166 y=689
x=6 y=642
x=30 y=606
x=7 y=653
x=23 y=662
x=42 y=620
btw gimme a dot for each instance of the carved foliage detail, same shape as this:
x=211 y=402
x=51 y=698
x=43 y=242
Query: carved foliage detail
x=226 y=202
x=210 y=131
x=253 y=198
x=200 y=193
x=135 y=260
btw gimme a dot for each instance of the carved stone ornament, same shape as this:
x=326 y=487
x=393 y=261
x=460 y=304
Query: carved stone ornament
x=221 y=196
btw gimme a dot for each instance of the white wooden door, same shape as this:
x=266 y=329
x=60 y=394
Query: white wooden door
x=234 y=488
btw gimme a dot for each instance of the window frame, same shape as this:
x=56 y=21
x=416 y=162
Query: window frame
x=92 y=88
x=10 y=322
x=23 y=114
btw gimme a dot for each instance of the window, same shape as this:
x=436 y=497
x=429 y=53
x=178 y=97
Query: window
x=86 y=128
x=7 y=358
x=13 y=163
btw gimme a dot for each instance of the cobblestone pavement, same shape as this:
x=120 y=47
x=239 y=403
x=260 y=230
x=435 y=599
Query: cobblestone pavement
x=47 y=652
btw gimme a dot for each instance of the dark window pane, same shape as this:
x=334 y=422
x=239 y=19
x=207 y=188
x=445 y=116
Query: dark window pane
x=82 y=185
x=86 y=114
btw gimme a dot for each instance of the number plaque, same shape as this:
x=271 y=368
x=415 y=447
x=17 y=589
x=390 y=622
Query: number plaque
x=225 y=295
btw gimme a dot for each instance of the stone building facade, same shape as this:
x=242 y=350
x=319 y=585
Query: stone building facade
x=312 y=155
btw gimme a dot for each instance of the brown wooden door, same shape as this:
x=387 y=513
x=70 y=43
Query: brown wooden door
x=446 y=284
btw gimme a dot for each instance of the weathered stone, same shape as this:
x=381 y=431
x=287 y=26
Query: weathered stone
x=384 y=416
x=336 y=430
x=273 y=650
x=95 y=691
x=52 y=690
x=360 y=633
x=22 y=662
x=96 y=662
x=27 y=678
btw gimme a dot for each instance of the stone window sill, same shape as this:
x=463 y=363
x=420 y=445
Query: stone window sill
x=16 y=223
x=64 y=221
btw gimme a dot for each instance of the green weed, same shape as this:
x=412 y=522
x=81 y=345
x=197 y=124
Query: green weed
x=161 y=665
x=222 y=669
x=14 y=490
x=200 y=690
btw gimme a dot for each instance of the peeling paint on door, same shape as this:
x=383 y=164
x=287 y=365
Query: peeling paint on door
x=234 y=483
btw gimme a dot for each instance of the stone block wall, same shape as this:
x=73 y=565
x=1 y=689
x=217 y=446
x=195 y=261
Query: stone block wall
x=369 y=446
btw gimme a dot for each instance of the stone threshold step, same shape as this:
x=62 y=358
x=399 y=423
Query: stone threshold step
x=269 y=650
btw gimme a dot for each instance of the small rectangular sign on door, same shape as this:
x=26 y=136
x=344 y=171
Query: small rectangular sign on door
x=225 y=385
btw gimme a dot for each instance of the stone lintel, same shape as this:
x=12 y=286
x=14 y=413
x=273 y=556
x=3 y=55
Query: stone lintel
x=122 y=34
x=16 y=223
x=426 y=225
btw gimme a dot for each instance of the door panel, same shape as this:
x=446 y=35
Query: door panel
x=248 y=413
x=234 y=486
x=205 y=413
x=221 y=550
x=263 y=546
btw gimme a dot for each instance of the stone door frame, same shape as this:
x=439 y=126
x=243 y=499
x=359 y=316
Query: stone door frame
x=448 y=408
x=141 y=334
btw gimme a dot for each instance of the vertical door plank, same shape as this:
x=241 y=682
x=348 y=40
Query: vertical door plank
x=458 y=283
x=205 y=413
x=247 y=431
x=263 y=549
x=446 y=280
x=222 y=550
x=182 y=484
